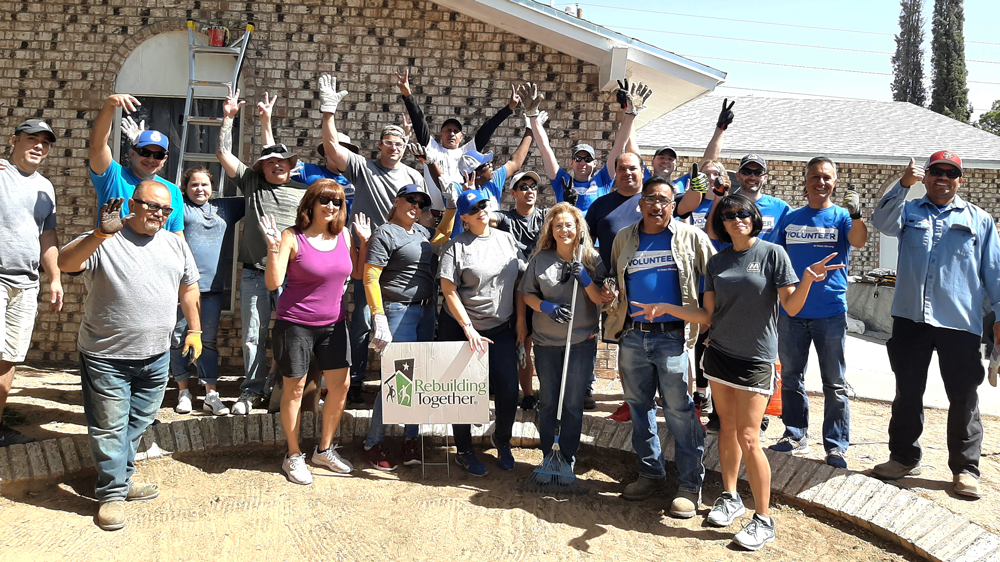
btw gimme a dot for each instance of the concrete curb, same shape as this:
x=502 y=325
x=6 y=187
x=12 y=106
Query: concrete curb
x=898 y=515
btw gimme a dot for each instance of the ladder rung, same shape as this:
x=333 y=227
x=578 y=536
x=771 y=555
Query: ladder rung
x=200 y=157
x=209 y=83
x=215 y=50
x=211 y=121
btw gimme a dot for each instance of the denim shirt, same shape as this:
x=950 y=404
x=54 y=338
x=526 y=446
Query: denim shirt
x=208 y=229
x=949 y=260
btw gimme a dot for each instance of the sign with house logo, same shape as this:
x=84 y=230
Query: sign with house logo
x=434 y=383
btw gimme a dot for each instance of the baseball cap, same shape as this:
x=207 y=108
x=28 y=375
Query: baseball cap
x=946 y=157
x=414 y=188
x=472 y=160
x=393 y=130
x=454 y=122
x=278 y=151
x=468 y=199
x=521 y=175
x=665 y=149
x=155 y=138
x=755 y=159
x=583 y=147
x=344 y=140
x=32 y=126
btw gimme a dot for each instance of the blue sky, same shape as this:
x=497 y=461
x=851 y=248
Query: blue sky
x=661 y=22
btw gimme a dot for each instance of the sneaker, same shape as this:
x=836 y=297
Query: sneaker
x=184 y=399
x=622 y=414
x=470 y=463
x=893 y=470
x=643 y=488
x=111 y=515
x=701 y=400
x=332 y=460
x=213 y=403
x=411 y=452
x=142 y=492
x=296 y=470
x=835 y=458
x=726 y=509
x=529 y=402
x=10 y=436
x=588 y=401
x=505 y=458
x=967 y=485
x=764 y=423
x=714 y=424
x=244 y=404
x=355 y=398
x=797 y=448
x=379 y=458
x=755 y=534
x=685 y=504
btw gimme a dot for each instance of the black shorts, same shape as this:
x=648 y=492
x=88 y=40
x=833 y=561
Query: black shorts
x=295 y=343
x=752 y=376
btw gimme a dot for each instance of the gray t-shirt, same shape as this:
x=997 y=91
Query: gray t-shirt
x=525 y=228
x=132 y=283
x=375 y=186
x=746 y=283
x=549 y=278
x=485 y=270
x=263 y=198
x=27 y=207
x=405 y=259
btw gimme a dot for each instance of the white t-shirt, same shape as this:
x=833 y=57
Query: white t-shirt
x=449 y=159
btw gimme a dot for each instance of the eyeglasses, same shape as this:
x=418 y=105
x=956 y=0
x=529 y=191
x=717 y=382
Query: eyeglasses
x=147 y=153
x=337 y=202
x=526 y=187
x=654 y=201
x=950 y=173
x=393 y=144
x=752 y=171
x=478 y=207
x=731 y=216
x=274 y=149
x=153 y=207
x=414 y=200
x=586 y=159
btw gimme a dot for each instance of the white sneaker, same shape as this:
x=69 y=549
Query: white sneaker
x=184 y=402
x=332 y=460
x=244 y=404
x=296 y=470
x=214 y=404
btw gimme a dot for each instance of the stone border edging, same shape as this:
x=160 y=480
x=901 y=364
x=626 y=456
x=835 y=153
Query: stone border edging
x=899 y=515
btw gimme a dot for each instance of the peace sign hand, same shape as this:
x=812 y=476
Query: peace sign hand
x=403 y=83
x=726 y=115
x=264 y=108
x=818 y=270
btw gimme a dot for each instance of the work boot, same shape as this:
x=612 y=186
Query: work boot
x=643 y=488
x=111 y=515
x=893 y=470
x=967 y=485
x=685 y=504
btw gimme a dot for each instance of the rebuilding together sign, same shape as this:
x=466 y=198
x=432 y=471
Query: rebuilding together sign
x=435 y=382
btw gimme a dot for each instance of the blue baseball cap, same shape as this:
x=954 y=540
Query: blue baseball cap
x=155 y=138
x=468 y=199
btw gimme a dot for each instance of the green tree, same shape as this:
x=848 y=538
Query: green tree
x=990 y=121
x=908 y=62
x=949 y=96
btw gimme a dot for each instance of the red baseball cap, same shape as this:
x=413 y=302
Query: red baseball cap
x=946 y=157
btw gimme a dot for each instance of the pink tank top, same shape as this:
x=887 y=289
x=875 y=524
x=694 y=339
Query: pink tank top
x=314 y=288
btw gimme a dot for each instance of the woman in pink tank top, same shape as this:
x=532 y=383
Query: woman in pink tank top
x=314 y=259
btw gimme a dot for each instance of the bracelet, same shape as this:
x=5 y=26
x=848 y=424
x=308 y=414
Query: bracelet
x=274 y=251
x=194 y=331
x=102 y=235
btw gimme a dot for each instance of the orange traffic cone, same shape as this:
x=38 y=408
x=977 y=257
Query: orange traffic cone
x=774 y=405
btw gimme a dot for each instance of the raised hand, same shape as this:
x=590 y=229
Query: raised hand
x=128 y=103
x=543 y=116
x=232 y=104
x=469 y=179
x=329 y=97
x=852 y=202
x=817 y=271
x=419 y=152
x=111 y=217
x=721 y=185
x=569 y=193
x=264 y=108
x=362 y=227
x=699 y=181
x=637 y=96
x=131 y=129
x=407 y=126
x=621 y=96
x=515 y=97
x=271 y=233
x=726 y=115
x=532 y=100
x=912 y=174
x=403 y=83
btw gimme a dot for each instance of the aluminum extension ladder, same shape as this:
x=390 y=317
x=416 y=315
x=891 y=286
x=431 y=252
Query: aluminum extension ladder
x=197 y=47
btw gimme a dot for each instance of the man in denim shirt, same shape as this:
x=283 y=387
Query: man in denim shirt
x=949 y=259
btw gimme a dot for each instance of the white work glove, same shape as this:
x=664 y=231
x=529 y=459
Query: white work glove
x=531 y=99
x=329 y=97
x=381 y=336
x=132 y=130
x=543 y=116
x=637 y=96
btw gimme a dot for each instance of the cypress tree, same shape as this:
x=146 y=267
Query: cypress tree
x=949 y=96
x=908 y=62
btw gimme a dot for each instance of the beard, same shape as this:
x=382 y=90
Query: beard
x=151 y=226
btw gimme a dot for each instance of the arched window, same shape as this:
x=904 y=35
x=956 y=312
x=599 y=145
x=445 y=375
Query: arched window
x=888 y=246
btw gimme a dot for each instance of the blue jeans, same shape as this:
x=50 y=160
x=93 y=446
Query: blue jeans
x=120 y=399
x=208 y=364
x=407 y=324
x=361 y=328
x=548 y=365
x=828 y=335
x=256 y=304
x=659 y=361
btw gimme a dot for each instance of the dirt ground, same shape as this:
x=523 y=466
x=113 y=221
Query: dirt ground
x=240 y=503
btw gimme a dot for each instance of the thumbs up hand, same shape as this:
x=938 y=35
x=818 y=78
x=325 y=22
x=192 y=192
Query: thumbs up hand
x=912 y=174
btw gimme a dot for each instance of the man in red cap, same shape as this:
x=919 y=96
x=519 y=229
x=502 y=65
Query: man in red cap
x=949 y=258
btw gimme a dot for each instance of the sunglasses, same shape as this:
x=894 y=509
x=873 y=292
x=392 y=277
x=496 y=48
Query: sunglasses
x=586 y=159
x=414 y=200
x=337 y=202
x=752 y=171
x=950 y=173
x=478 y=207
x=653 y=201
x=526 y=187
x=153 y=207
x=147 y=153
x=274 y=149
x=731 y=216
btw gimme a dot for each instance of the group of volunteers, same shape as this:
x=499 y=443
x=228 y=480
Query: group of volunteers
x=702 y=285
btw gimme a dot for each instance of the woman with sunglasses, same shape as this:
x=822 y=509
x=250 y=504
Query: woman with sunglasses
x=402 y=295
x=743 y=287
x=206 y=223
x=317 y=258
x=479 y=273
x=564 y=251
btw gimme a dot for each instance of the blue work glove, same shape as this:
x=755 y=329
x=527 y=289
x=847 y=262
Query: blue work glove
x=580 y=272
x=558 y=312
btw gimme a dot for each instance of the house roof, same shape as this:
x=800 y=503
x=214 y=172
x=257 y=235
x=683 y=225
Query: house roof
x=845 y=130
x=675 y=79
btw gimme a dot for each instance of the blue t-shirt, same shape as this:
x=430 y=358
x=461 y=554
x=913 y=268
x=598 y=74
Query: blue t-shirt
x=651 y=275
x=609 y=214
x=117 y=181
x=309 y=173
x=680 y=184
x=492 y=188
x=773 y=211
x=808 y=236
x=597 y=186
x=208 y=229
